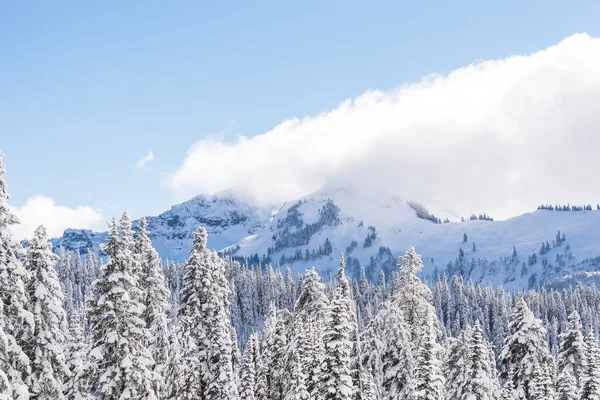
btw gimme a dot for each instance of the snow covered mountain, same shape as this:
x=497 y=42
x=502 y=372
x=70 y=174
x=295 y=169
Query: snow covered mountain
x=227 y=219
x=372 y=230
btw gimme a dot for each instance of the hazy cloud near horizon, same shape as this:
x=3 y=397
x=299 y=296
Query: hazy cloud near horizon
x=42 y=210
x=497 y=136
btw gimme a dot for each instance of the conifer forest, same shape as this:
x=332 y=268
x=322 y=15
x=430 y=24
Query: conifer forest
x=123 y=324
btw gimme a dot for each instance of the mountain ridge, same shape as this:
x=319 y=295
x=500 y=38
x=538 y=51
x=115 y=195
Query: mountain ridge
x=373 y=229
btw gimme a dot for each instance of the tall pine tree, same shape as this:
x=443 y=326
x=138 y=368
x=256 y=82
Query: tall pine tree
x=571 y=360
x=46 y=346
x=123 y=365
x=591 y=386
x=155 y=298
x=204 y=332
x=525 y=353
x=336 y=375
x=16 y=322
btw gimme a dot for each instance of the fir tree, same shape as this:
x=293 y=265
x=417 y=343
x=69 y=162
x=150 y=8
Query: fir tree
x=77 y=386
x=523 y=350
x=204 y=332
x=155 y=298
x=16 y=322
x=397 y=363
x=174 y=369
x=13 y=364
x=122 y=363
x=297 y=389
x=310 y=311
x=46 y=347
x=414 y=298
x=336 y=375
x=508 y=391
x=457 y=368
x=571 y=360
x=591 y=386
x=429 y=381
x=481 y=383
x=249 y=369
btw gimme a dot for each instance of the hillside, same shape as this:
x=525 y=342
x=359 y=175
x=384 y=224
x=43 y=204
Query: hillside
x=373 y=230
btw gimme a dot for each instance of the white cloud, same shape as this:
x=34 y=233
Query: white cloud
x=497 y=136
x=145 y=160
x=42 y=210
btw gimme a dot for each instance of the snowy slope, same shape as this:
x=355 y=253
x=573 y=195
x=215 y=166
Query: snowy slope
x=314 y=230
x=397 y=227
x=227 y=219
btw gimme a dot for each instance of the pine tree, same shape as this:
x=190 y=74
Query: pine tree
x=155 y=298
x=13 y=363
x=204 y=332
x=16 y=322
x=414 y=298
x=457 y=368
x=77 y=386
x=310 y=311
x=264 y=374
x=524 y=349
x=336 y=375
x=396 y=356
x=297 y=389
x=481 y=383
x=174 y=369
x=49 y=368
x=249 y=369
x=571 y=360
x=312 y=305
x=368 y=388
x=508 y=391
x=429 y=381
x=221 y=379
x=236 y=356
x=119 y=335
x=591 y=386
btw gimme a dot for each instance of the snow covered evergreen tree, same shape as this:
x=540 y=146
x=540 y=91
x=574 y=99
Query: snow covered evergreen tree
x=77 y=385
x=46 y=347
x=248 y=373
x=396 y=356
x=155 y=298
x=205 y=328
x=297 y=387
x=428 y=382
x=481 y=383
x=14 y=364
x=310 y=312
x=525 y=353
x=457 y=369
x=123 y=365
x=275 y=360
x=571 y=360
x=336 y=375
x=16 y=322
x=173 y=369
x=591 y=385
x=414 y=298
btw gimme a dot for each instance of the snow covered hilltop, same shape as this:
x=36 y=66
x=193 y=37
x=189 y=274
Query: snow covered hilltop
x=372 y=230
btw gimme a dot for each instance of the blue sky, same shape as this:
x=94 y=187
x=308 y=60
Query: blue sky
x=86 y=88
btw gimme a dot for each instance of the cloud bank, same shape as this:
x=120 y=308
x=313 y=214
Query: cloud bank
x=145 y=160
x=497 y=136
x=42 y=210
